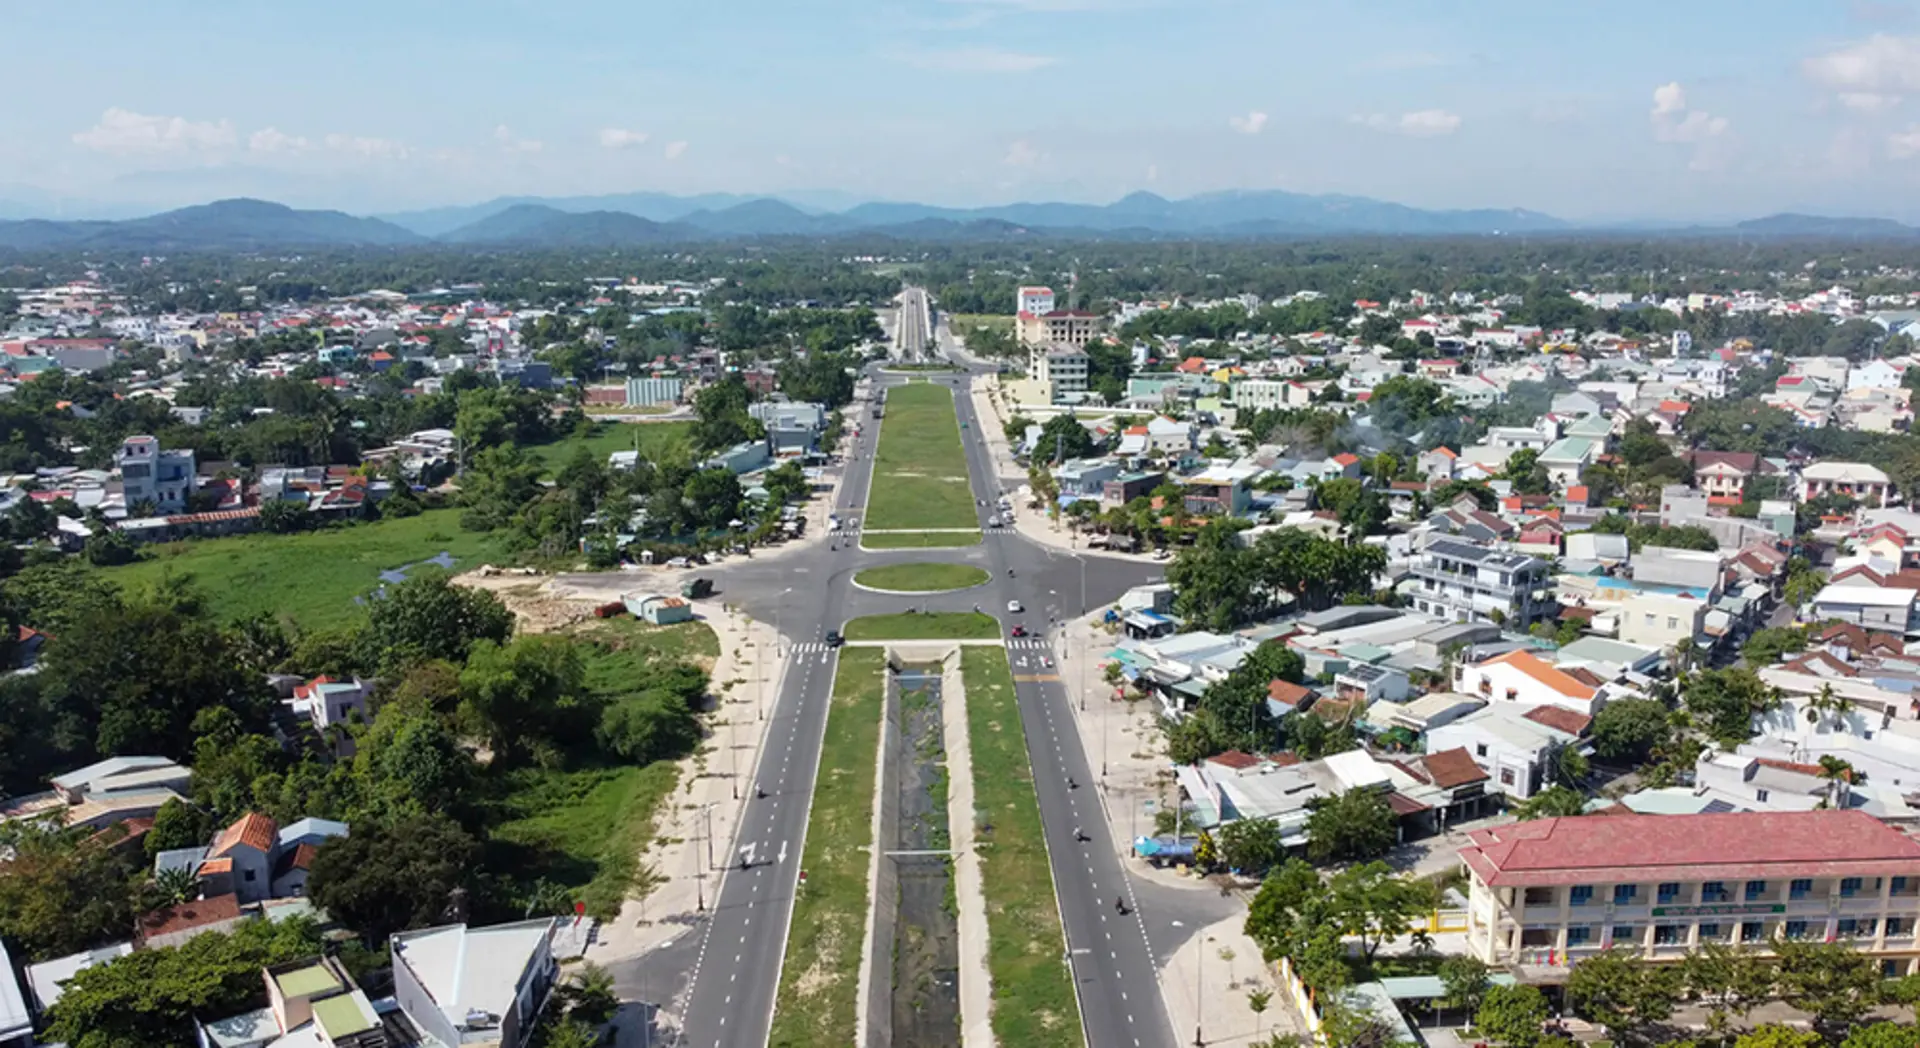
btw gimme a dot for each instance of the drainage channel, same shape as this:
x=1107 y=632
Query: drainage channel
x=926 y=950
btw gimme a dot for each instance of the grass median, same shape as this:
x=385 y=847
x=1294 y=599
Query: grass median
x=920 y=470
x=820 y=978
x=922 y=577
x=925 y=625
x=1033 y=999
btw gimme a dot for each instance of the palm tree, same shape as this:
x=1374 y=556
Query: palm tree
x=1827 y=705
x=175 y=885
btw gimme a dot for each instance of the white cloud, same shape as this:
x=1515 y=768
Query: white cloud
x=364 y=146
x=621 y=138
x=1868 y=101
x=1021 y=154
x=1421 y=123
x=1674 y=121
x=1880 y=64
x=976 y=60
x=273 y=140
x=125 y=131
x=504 y=136
x=1669 y=98
x=1249 y=124
x=1903 y=145
x=675 y=150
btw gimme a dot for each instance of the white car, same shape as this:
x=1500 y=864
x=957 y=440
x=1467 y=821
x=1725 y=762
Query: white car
x=1015 y=607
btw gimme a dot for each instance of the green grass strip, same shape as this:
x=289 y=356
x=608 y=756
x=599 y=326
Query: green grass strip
x=933 y=625
x=820 y=979
x=920 y=470
x=1033 y=1000
x=922 y=577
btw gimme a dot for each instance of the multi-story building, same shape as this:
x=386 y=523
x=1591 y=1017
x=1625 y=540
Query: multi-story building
x=1218 y=489
x=1060 y=369
x=1033 y=299
x=148 y=474
x=1551 y=892
x=1069 y=327
x=1467 y=583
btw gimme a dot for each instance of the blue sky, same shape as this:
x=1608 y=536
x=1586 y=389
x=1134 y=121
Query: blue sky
x=1682 y=109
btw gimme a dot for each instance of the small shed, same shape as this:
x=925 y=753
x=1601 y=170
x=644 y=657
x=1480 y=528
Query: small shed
x=658 y=609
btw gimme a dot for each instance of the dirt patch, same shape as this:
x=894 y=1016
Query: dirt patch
x=536 y=608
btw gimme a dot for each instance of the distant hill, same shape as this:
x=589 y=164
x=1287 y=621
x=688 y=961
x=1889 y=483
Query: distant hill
x=660 y=207
x=536 y=225
x=1791 y=225
x=765 y=217
x=225 y=225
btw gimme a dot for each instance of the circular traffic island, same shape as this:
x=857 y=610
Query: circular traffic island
x=920 y=577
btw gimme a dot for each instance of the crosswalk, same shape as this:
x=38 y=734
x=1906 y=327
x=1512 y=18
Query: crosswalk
x=812 y=647
x=1029 y=644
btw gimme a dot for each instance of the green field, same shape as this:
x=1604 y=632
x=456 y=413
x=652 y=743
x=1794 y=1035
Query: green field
x=609 y=437
x=310 y=578
x=922 y=577
x=631 y=646
x=820 y=978
x=920 y=470
x=919 y=539
x=933 y=625
x=581 y=830
x=1033 y=1001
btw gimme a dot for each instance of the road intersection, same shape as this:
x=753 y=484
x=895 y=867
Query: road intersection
x=728 y=967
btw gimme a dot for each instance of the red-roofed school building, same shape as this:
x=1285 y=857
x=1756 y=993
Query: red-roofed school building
x=1550 y=892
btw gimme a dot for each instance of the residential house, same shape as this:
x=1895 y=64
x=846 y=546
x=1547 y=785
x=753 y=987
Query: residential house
x=151 y=475
x=311 y=1002
x=329 y=704
x=1862 y=603
x=253 y=859
x=1464 y=582
x=1856 y=480
x=1723 y=475
x=104 y=793
x=1526 y=680
x=47 y=980
x=476 y=987
x=1365 y=684
x=1436 y=464
x=1219 y=489
x=1567 y=458
x=1516 y=747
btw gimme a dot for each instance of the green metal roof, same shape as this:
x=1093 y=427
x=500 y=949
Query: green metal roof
x=343 y=1016
x=305 y=982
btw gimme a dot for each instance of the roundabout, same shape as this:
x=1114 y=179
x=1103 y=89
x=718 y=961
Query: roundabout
x=918 y=577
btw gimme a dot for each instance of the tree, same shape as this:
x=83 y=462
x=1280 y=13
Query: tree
x=1356 y=824
x=1630 y=729
x=656 y=724
x=1213 y=579
x=427 y=617
x=1553 y=802
x=1465 y=979
x=1835 y=983
x=386 y=878
x=1728 y=981
x=1257 y=1002
x=62 y=891
x=498 y=483
x=1376 y=906
x=1063 y=438
x=720 y=415
x=1623 y=993
x=177 y=825
x=1766 y=646
x=1251 y=846
x=1774 y=1035
x=153 y=996
x=712 y=498
x=1883 y=1034
x=1724 y=702
x=527 y=696
x=282 y=517
x=1514 y=1016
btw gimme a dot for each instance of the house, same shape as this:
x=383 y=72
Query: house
x=1219 y=489
x=1862 y=603
x=328 y=704
x=1525 y=679
x=176 y=924
x=1515 y=750
x=1458 y=580
x=1855 y=480
x=47 y=979
x=475 y=987
x=310 y=1002
x=1566 y=458
x=1723 y=475
x=1436 y=464
x=148 y=474
x=1365 y=684
x=253 y=858
x=104 y=793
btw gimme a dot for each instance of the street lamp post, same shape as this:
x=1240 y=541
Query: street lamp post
x=1199 y=970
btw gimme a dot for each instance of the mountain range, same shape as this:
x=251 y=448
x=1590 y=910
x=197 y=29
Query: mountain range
x=645 y=219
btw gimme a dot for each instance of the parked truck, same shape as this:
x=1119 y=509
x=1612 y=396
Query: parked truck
x=693 y=589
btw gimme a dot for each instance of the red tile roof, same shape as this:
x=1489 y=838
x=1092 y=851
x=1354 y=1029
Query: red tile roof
x=1235 y=759
x=1450 y=768
x=252 y=829
x=1287 y=692
x=1403 y=805
x=1559 y=718
x=1733 y=846
x=1551 y=676
x=186 y=915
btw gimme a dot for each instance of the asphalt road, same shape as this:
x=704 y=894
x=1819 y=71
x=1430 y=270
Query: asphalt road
x=728 y=967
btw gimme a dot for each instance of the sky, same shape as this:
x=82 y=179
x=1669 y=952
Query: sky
x=1680 y=110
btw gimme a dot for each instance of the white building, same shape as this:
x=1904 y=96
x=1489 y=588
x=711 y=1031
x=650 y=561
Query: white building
x=148 y=474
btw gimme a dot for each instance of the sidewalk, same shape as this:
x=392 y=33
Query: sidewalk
x=1206 y=983
x=1123 y=742
x=746 y=679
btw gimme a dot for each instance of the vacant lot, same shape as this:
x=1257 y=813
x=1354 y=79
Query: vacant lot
x=820 y=979
x=310 y=579
x=922 y=577
x=935 y=625
x=1033 y=1001
x=920 y=471
x=581 y=830
x=651 y=438
x=964 y=322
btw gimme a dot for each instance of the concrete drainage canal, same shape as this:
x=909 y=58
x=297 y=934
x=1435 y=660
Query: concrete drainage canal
x=926 y=992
